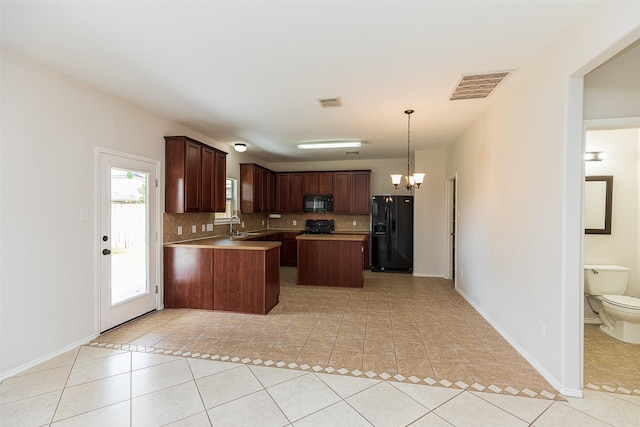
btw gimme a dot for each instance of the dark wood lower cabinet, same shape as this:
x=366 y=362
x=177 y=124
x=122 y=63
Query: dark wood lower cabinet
x=246 y=281
x=289 y=250
x=238 y=280
x=188 y=278
x=334 y=261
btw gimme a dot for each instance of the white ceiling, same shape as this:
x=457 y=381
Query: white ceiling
x=253 y=71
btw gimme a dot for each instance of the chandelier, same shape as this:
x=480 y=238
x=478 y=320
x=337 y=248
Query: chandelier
x=411 y=180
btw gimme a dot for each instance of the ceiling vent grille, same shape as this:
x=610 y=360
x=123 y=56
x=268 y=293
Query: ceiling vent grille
x=471 y=86
x=330 y=102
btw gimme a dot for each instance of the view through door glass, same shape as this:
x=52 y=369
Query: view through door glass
x=128 y=234
x=128 y=238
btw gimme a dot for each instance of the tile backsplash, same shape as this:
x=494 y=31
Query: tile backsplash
x=171 y=222
x=257 y=221
x=342 y=222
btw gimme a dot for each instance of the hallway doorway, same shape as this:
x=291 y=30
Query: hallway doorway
x=451 y=232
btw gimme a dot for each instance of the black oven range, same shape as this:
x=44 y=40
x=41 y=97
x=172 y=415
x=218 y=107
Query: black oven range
x=318 y=226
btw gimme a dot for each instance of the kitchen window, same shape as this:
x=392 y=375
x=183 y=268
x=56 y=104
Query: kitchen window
x=232 y=202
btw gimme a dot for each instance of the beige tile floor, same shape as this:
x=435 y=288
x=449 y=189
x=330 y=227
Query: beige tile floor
x=610 y=364
x=126 y=384
x=397 y=326
x=98 y=386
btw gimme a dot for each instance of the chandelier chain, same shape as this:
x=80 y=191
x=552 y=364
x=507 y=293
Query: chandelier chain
x=412 y=180
x=408 y=112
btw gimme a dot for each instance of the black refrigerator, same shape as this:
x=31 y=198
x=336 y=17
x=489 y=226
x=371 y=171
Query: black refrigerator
x=392 y=233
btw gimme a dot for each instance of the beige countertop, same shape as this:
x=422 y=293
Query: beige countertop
x=244 y=241
x=227 y=243
x=333 y=236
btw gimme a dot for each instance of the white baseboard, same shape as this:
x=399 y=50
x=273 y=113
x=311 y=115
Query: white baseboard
x=49 y=356
x=439 y=275
x=532 y=361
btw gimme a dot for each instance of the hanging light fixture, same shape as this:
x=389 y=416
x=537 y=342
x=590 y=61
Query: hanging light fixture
x=412 y=180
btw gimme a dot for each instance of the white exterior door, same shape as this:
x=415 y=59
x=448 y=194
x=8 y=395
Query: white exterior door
x=128 y=247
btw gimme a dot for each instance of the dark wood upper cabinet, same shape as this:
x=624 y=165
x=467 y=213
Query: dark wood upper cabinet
x=220 y=173
x=256 y=188
x=289 y=191
x=310 y=180
x=262 y=190
x=360 y=192
x=325 y=183
x=193 y=180
x=297 y=192
x=342 y=192
x=208 y=180
x=268 y=185
x=318 y=183
x=352 y=192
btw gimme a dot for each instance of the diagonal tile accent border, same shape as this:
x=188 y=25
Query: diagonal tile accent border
x=412 y=379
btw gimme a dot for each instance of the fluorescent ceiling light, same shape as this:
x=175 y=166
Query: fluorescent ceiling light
x=328 y=144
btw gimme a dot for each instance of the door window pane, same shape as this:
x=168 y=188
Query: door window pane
x=128 y=234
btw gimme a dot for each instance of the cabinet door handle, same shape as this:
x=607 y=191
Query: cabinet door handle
x=106 y=252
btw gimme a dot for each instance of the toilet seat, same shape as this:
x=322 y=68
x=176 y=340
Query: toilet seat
x=623 y=301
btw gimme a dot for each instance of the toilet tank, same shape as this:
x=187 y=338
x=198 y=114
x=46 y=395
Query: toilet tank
x=605 y=279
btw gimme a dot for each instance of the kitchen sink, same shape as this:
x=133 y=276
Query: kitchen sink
x=244 y=235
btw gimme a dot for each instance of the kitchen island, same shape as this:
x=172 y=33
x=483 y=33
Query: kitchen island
x=222 y=274
x=331 y=259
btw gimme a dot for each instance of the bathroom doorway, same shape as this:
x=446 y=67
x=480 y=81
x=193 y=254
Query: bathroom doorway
x=617 y=144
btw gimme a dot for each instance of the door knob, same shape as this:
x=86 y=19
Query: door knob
x=106 y=252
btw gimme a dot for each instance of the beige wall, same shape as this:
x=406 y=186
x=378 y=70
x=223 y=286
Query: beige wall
x=519 y=198
x=430 y=224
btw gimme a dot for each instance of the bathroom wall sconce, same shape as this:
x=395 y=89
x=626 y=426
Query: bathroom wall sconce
x=594 y=156
x=240 y=147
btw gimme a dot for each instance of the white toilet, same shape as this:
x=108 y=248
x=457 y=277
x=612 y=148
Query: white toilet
x=620 y=314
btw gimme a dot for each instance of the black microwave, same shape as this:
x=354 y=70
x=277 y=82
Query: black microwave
x=318 y=203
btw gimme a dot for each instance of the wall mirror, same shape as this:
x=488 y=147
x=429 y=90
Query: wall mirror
x=598 y=195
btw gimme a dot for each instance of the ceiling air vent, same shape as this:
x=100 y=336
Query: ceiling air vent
x=330 y=102
x=473 y=86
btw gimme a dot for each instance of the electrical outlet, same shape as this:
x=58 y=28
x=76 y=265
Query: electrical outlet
x=209 y=227
x=179 y=230
x=354 y=223
x=204 y=227
x=194 y=229
x=542 y=330
x=242 y=224
x=263 y=222
x=295 y=222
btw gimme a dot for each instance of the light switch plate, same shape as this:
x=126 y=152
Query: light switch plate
x=209 y=227
x=194 y=229
x=179 y=230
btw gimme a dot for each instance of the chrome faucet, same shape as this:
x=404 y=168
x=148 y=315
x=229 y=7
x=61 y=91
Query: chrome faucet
x=231 y=223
